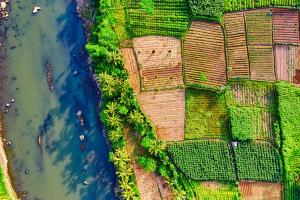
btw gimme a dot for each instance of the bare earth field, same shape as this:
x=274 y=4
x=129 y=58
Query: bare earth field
x=166 y=109
x=165 y=190
x=131 y=68
x=204 y=54
x=237 y=51
x=260 y=190
x=159 y=62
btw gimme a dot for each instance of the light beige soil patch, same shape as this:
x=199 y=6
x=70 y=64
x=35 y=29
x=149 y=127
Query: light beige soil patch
x=166 y=109
x=146 y=183
x=131 y=67
x=286 y=62
x=159 y=62
x=260 y=190
x=165 y=190
x=204 y=54
x=236 y=45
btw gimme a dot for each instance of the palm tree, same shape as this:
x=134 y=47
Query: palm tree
x=179 y=194
x=114 y=121
x=136 y=117
x=111 y=108
x=121 y=157
x=157 y=147
x=115 y=134
x=114 y=58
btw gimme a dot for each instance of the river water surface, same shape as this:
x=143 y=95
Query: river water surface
x=58 y=168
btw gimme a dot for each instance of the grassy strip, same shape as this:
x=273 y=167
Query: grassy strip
x=203 y=159
x=219 y=192
x=3 y=191
x=289 y=109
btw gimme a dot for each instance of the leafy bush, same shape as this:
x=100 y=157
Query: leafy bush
x=210 y=9
x=147 y=6
x=149 y=164
x=203 y=159
x=244 y=121
x=289 y=109
x=258 y=161
x=202 y=76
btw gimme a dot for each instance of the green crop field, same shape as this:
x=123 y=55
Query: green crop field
x=203 y=159
x=3 y=191
x=217 y=192
x=258 y=161
x=167 y=18
x=206 y=115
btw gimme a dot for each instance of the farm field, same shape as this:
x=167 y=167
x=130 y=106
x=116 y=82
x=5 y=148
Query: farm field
x=260 y=190
x=287 y=61
x=217 y=191
x=159 y=62
x=236 y=45
x=206 y=115
x=286 y=26
x=204 y=55
x=166 y=109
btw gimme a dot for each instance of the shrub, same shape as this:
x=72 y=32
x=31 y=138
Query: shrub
x=149 y=164
x=210 y=9
x=244 y=121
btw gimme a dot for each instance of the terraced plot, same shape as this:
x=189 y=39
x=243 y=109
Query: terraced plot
x=262 y=63
x=204 y=56
x=205 y=115
x=166 y=110
x=236 y=45
x=260 y=190
x=169 y=18
x=286 y=25
x=286 y=62
x=159 y=62
x=259 y=27
x=131 y=67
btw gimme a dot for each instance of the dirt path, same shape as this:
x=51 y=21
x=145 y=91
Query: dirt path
x=4 y=167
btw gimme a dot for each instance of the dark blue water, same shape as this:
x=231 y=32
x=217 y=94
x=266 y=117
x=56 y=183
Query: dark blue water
x=58 y=168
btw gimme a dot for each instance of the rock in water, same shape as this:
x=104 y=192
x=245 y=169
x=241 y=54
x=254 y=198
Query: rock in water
x=3 y=5
x=36 y=9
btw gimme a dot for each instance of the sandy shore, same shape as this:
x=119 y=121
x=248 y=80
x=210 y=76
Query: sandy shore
x=4 y=166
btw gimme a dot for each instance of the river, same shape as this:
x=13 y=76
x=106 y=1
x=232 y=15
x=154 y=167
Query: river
x=57 y=169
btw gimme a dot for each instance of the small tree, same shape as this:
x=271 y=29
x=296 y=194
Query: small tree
x=148 y=164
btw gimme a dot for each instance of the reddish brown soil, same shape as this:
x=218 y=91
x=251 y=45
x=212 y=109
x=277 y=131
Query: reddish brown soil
x=159 y=62
x=131 y=67
x=203 y=53
x=262 y=63
x=260 y=190
x=146 y=183
x=287 y=61
x=237 y=51
x=166 y=109
x=165 y=190
x=286 y=25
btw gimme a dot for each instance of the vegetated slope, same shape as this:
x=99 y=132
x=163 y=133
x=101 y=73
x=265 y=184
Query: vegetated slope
x=166 y=18
x=203 y=159
x=236 y=5
x=257 y=161
x=286 y=62
x=237 y=52
x=206 y=115
x=159 y=62
x=289 y=109
x=204 y=55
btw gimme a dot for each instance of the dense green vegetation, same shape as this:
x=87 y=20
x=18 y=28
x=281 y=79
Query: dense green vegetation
x=3 y=191
x=244 y=121
x=207 y=9
x=257 y=161
x=205 y=115
x=203 y=159
x=289 y=109
x=158 y=17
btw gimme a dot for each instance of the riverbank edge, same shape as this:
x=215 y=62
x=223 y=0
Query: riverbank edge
x=4 y=164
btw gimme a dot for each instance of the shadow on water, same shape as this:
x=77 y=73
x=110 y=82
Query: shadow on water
x=87 y=159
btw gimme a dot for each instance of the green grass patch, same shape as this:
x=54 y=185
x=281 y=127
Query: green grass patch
x=158 y=17
x=3 y=191
x=219 y=191
x=205 y=115
x=289 y=113
x=257 y=161
x=203 y=159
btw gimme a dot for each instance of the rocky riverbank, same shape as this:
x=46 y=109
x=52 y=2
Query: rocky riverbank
x=4 y=9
